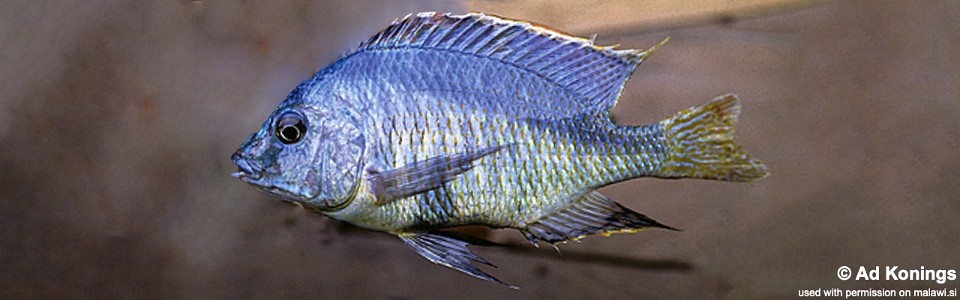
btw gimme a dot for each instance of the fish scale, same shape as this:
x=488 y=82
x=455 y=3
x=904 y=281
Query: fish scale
x=563 y=157
x=440 y=121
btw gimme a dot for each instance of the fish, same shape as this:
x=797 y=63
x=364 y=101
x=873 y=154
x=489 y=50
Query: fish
x=443 y=120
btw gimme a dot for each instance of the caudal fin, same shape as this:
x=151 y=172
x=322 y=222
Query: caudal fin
x=700 y=143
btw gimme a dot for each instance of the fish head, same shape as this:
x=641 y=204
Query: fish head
x=303 y=153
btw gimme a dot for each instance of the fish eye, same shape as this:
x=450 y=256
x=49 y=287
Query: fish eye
x=290 y=128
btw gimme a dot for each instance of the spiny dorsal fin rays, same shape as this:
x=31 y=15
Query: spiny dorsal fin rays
x=595 y=73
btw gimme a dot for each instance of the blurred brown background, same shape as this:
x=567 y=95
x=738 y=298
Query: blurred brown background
x=118 y=118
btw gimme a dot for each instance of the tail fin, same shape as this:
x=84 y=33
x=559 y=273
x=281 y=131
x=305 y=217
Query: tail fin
x=700 y=143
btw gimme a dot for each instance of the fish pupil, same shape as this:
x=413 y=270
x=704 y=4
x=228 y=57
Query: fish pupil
x=290 y=128
x=290 y=133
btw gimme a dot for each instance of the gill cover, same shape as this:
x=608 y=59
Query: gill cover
x=336 y=164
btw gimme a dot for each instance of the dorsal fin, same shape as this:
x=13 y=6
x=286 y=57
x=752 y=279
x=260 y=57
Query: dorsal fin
x=595 y=73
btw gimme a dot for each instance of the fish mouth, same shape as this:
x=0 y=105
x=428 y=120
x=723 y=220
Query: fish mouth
x=256 y=179
x=248 y=172
x=246 y=176
x=253 y=179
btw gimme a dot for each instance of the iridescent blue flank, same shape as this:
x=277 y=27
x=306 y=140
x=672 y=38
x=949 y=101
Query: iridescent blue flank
x=441 y=121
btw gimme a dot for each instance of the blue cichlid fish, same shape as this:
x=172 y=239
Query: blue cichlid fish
x=444 y=120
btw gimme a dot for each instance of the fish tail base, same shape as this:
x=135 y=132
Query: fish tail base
x=700 y=143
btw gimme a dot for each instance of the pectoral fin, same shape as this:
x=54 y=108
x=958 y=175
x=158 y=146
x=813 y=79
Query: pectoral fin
x=450 y=252
x=422 y=176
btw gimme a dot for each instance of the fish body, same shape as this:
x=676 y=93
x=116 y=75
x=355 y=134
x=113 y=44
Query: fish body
x=441 y=121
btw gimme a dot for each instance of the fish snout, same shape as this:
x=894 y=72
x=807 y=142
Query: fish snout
x=248 y=168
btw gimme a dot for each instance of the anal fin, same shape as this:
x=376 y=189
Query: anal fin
x=593 y=213
x=449 y=252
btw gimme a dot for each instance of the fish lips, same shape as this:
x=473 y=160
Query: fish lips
x=253 y=174
x=249 y=172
